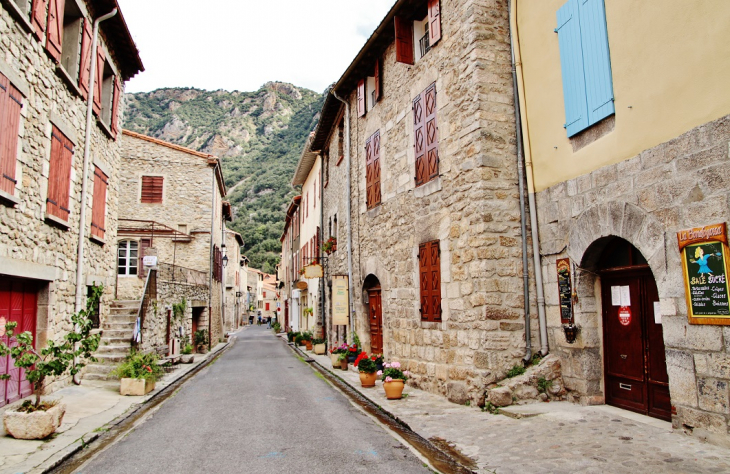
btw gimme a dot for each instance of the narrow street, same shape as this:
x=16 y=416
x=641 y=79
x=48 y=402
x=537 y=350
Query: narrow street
x=257 y=409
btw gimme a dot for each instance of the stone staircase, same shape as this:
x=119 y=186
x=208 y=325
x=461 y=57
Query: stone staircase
x=116 y=339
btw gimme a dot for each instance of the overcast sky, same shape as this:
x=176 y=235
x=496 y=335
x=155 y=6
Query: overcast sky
x=241 y=44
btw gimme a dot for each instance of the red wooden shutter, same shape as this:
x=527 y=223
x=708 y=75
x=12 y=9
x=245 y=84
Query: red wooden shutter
x=376 y=75
x=98 y=207
x=152 y=189
x=115 y=106
x=361 y=98
x=369 y=172
x=85 y=68
x=432 y=142
x=317 y=244
x=54 y=36
x=434 y=21
x=429 y=267
x=435 y=256
x=39 y=17
x=403 y=40
x=372 y=173
x=419 y=141
x=99 y=79
x=59 y=175
x=11 y=101
x=424 y=272
x=376 y=168
x=267 y=306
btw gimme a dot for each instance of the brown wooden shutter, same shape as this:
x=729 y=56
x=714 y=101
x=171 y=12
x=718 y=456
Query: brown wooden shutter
x=11 y=101
x=424 y=272
x=85 y=66
x=59 y=175
x=419 y=141
x=98 y=84
x=38 y=18
x=429 y=264
x=152 y=189
x=98 y=208
x=54 y=35
x=369 y=172
x=115 y=106
x=376 y=168
x=376 y=75
x=372 y=173
x=434 y=21
x=403 y=40
x=432 y=142
x=361 y=98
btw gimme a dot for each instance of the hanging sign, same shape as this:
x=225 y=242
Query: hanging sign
x=565 y=290
x=340 y=300
x=704 y=255
x=313 y=270
x=624 y=315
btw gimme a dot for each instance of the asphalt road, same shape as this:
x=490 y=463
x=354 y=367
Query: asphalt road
x=257 y=409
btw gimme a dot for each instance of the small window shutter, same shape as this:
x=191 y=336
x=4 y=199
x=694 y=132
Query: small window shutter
x=85 y=59
x=98 y=84
x=11 y=101
x=429 y=267
x=403 y=40
x=39 y=17
x=424 y=275
x=376 y=74
x=571 y=65
x=432 y=142
x=597 y=61
x=361 y=98
x=152 y=187
x=54 y=36
x=419 y=142
x=59 y=176
x=435 y=264
x=434 y=21
x=376 y=168
x=368 y=172
x=115 y=106
x=98 y=208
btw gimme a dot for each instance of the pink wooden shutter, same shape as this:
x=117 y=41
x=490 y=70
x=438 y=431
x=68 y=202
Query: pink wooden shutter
x=419 y=142
x=403 y=40
x=99 y=79
x=361 y=97
x=376 y=74
x=432 y=142
x=115 y=106
x=38 y=18
x=99 y=204
x=434 y=21
x=54 y=36
x=59 y=176
x=85 y=59
x=11 y=101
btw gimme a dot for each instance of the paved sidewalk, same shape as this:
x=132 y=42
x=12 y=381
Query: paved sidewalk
x=90 y=408
x=557 y=437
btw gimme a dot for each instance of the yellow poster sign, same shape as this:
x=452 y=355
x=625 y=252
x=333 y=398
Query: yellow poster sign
x=340 y=300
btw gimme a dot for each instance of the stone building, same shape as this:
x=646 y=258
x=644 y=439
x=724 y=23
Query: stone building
x=235 y=275
x=58 y=204
x=432 y=242
x=173 y=208
x=289 y=267
x=630 y=148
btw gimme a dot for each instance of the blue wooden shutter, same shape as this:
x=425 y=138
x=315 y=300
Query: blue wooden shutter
x=571 y=62
x=596 y=60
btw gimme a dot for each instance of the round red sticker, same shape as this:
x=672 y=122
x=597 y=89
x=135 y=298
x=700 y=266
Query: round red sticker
x=624 y=315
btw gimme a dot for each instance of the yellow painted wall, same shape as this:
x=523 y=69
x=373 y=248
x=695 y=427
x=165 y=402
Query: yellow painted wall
x=671 y=64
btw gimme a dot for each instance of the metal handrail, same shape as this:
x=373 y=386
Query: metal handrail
x=150 y=282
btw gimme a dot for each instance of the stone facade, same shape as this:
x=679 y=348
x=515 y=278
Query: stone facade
x=34 y=245
x=679 y=184
x=235 y=282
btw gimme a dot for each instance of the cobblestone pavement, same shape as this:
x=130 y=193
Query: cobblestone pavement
x=562 y=438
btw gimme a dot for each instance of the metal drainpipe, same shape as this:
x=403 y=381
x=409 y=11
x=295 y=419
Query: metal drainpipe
x=322 y=293
x=521 y=178
x=211 y=259
x=84 y=178
x=349 y=207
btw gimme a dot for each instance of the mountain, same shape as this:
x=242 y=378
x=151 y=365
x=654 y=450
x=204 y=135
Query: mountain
x=258 y=136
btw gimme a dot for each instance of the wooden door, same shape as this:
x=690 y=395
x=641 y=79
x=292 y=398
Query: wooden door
x=376 y=321
x=18 y=302
x=634 y=357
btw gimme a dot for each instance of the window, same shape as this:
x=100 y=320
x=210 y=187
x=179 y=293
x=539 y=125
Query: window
x=424 y=33
x=368 y=91
x=217 y=264
x=71 y=26
x=127 y=258
x=341 y=141
x=11 y=102
x=326 y=164
x=264 y=294
x=152 y=189
x=372 y=170
x=425 y=136
x=59 y=175
x=268 y=306
x=585 y=64
x=429 y=268
x=98 y=208
x=94 y=313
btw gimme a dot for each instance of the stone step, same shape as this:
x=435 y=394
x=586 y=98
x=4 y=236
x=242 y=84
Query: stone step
x=117 y=340
x=113 y=349
x=116 y=333
x=122 y=318
x=108 y=326
x=99 y=369
x=110 y=359
x=113 y=312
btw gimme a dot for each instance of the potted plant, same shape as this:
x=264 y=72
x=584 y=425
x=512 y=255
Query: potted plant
x=367 y=369
x=37 y=420
x=394 y=380
x=378 y=359
x=342 y=359
x=138 y=373
x=298 y=339
x=307 y=340
x=318 y=346
x=352 y=352
x=330 y=245
x=187 y=356
x=335 y=355
x=290 y=335
x=308 y=311
x=200 y=338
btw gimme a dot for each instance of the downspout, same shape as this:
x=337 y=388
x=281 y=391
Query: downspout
x=521 y=179
x=84 y=178
x=530 y=183
x=322 y=293
x=211 y=258
x=349 y=208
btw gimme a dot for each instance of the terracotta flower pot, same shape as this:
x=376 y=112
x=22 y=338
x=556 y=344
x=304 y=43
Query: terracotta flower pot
x=37 y=425
x=367 y=380
x=343 y=364
x=308 y=344
x=394 y=389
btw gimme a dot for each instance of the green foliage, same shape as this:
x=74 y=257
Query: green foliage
x=536 y=358
x=318 y=340
x=493 y=409
x=276 y=327
x=515 y=371
x=178 y=309
x=393 y=371
x=200 y=337
x=367 y=366
x=298 y=339
x=56 y=359
x=187 y=349
x=307 y=336
x=543 y=384
x=139 y=366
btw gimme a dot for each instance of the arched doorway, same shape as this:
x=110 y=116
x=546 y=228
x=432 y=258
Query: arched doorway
x=635 y=370
x=371 y=287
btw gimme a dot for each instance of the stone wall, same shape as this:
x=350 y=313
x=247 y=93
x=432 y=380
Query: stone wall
x=680 y=184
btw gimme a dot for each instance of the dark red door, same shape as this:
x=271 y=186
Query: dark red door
x=18 y=302
x=376 y=321
x=635 y=365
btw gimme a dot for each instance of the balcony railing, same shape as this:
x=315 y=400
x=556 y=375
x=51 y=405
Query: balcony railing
x=151 y=229
x=177 y=274
x=424 y=44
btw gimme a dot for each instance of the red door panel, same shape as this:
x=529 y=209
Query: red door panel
x=376 y=322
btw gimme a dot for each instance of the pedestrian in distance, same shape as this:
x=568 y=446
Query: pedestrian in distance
x=268 y=321
x=259 y=321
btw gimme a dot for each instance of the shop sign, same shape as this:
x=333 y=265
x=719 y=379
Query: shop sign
x=313 y=270
x=565 y=290
x=340 y=300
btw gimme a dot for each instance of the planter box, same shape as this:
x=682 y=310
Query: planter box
x=319 y=349
x=36 y=425
x=136 y=387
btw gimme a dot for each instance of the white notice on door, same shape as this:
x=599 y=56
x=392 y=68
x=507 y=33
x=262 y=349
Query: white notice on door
x=625 y=296
x=657 y=313
x=616 y=295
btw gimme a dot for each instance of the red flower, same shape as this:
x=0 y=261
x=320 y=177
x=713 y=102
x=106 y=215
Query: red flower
x=361 y=356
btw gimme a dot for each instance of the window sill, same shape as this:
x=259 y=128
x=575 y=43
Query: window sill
x=373 y=212
x=57 y=222
x=105 y=128
x=97 y=240
x=63 y=74
x=8 y=199
x=428 y=188
x=18 y=14
x=432 y=325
